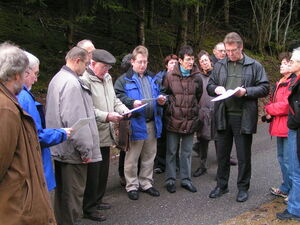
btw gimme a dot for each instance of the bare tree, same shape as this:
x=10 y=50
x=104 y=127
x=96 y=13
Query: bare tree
x=141 y=22
x=226 y=12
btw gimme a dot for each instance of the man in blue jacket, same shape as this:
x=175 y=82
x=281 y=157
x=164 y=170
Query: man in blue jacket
x=135 y=88
x=47 y=137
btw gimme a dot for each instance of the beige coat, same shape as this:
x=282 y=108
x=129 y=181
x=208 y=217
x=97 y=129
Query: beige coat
x=105 y=101
x=24 y=198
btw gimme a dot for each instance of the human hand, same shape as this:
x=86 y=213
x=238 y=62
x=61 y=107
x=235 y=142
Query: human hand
x=68 y=131
x=241 y=92
x=137 y=103
x=114 y=117
x=86 y=160
x=161 y=99
x=220 y=90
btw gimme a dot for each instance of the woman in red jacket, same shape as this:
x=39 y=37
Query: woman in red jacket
x=277 y=112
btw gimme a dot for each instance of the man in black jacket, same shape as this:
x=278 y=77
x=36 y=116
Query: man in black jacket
x=236 y=116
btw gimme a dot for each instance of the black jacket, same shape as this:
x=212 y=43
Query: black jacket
x=294 y=102
x=256 y=83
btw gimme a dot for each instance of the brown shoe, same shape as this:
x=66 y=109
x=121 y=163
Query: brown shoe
x=96 y=216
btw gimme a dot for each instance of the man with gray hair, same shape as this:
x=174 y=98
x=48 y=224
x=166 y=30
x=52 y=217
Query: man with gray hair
x=24 y=198
x=69 y=100
x=236 y=116
x=218 y=52
x=88 y=46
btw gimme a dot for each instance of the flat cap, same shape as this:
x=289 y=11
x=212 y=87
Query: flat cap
x=100 y=55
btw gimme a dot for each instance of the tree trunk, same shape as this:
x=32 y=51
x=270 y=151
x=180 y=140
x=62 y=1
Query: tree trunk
x=70 y=25
x=141 y=22
x=288 y=22
x=150 y=14
x=277 y=22
x=197 y=27
x=182 y=28
x=226 y=12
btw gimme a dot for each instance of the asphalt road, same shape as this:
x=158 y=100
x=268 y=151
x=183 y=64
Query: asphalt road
x=185 y=208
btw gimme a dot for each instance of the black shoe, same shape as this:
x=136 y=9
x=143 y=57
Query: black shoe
x=152 y=191
x=200 y=171
x=189 y=186
x=103 y=206
x=242 y=196
x=96 y=216
x=218 y=192
x=171 y=187
x=285 y=215
x=133 y=195
x=158 y=170
x=233 y=162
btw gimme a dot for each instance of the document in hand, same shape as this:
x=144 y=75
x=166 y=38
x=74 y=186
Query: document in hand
x=80 y=123
x=134 y=109
x=227 y=94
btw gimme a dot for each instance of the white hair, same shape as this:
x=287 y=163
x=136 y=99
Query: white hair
x=33 y=60
x=296 y=55
x=12 y=61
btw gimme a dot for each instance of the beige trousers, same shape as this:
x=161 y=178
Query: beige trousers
x=146 y=151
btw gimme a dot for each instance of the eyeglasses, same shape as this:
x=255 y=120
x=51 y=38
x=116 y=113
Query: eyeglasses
x=107 y=67
x=204 y=60
x=141 y=62
x=223 y=51
x=189 y=59
x=36 y=73
x=231 y=50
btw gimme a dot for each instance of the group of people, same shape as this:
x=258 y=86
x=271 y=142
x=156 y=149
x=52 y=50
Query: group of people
x=152 y=117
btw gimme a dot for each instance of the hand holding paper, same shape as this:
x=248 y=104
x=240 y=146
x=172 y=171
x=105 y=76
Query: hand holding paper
x=80 y=123
x=229 y=93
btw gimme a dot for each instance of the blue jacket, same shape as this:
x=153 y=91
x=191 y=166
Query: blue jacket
x=128 y=89
x=47 y=137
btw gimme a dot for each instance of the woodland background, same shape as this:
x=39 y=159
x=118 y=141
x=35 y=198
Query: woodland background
x=48 y=28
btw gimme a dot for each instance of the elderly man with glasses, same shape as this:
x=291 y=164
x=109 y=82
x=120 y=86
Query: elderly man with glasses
x=108 y=110
x=236 y=116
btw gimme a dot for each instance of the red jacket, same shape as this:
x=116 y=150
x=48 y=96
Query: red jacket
x=278 y=108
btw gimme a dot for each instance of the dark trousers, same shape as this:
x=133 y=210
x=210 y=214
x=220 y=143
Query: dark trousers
x=97 y=175
x=243 y=144
x=201 y=146
x=121 y=163
x=70 y=184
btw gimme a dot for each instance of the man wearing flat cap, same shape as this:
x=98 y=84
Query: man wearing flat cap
x=108 y=111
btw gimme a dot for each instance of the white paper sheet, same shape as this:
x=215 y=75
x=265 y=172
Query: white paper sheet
x=80 y=123
x=135 y=109
x=227 y=94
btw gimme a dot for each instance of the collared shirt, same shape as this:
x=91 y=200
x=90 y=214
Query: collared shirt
x=234 y=79
x=147 y=93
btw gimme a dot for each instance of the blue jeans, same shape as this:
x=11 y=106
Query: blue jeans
x=283 y=159
x=173 y=139
x=294 y=197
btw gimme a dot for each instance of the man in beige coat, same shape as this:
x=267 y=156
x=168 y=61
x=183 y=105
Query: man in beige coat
x=24 y=197
x=108 y=110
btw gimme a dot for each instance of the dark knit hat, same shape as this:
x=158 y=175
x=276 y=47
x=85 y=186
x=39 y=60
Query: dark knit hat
x=100 y=55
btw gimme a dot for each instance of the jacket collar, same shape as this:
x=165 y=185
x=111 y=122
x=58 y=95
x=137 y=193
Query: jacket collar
x=94 y=77
x=176 y=71
x=12 y=97
x=247 y=60
x=130 y=73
